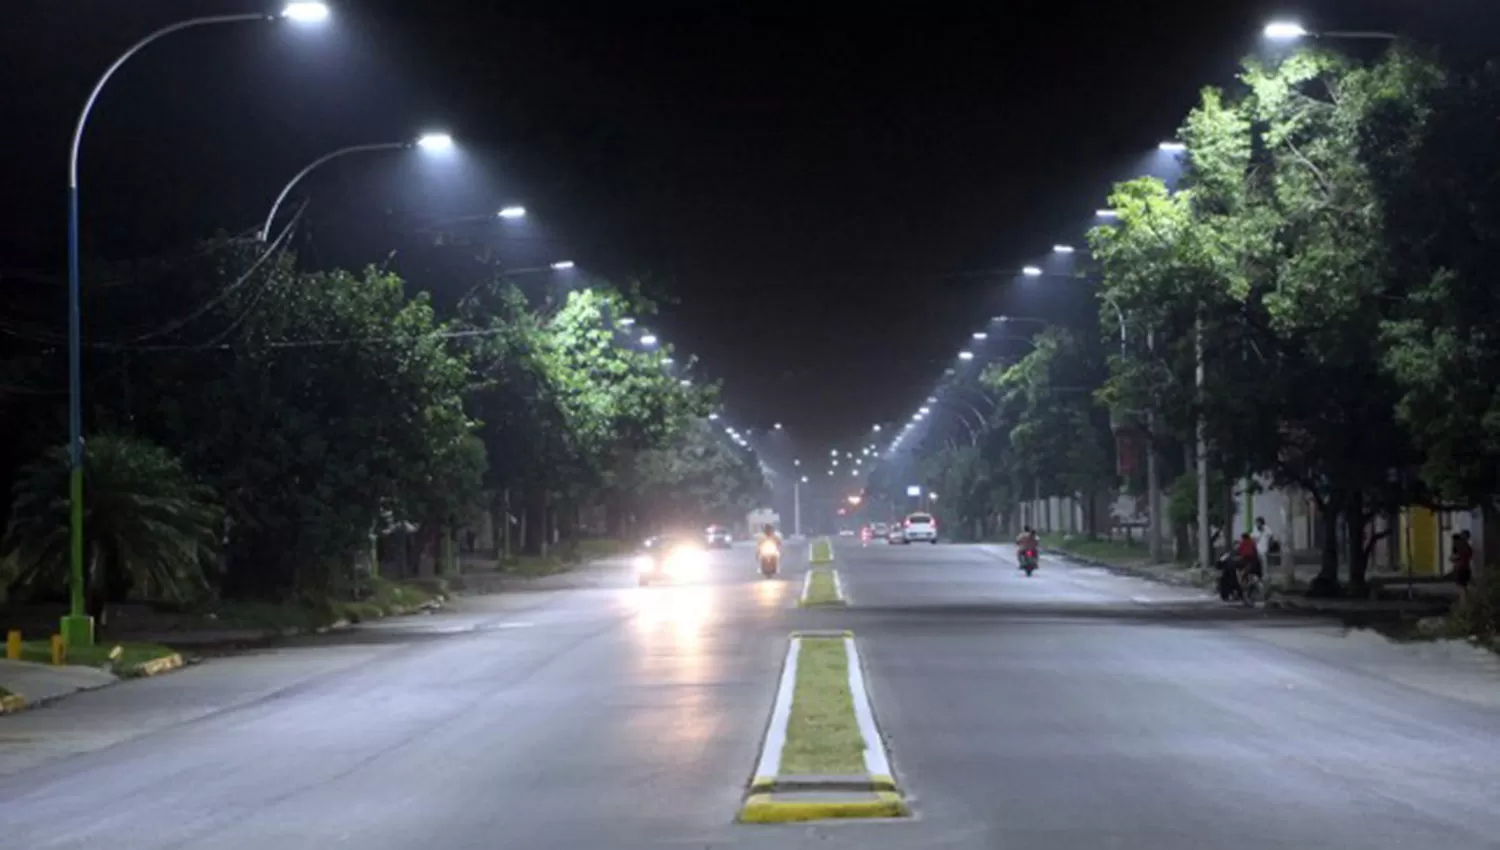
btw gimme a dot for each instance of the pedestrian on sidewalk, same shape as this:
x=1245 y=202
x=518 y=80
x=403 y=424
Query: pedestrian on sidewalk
x=1266 y=544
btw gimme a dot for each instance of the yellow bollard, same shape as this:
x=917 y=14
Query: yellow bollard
x=13 y=645
x=59 y=650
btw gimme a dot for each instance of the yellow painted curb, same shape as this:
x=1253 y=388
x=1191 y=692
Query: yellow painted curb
x=157 y=666
x=762 y=808
x=12 y=704
x=883 y=783
x=762 y=783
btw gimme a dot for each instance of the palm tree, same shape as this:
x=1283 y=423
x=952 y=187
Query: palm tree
x=149 y=526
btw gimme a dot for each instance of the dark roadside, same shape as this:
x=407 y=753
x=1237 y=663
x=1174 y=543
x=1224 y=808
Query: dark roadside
x=1398 y=606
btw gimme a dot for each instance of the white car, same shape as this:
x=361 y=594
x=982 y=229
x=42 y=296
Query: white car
x=879 y=529
x=919 y=527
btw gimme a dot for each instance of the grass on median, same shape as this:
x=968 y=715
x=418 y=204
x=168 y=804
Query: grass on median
x=822 y=550
x=822 y=736
x=821 y=589
x=131 y=654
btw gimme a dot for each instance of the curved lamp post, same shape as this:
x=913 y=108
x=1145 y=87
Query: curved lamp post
x=430 y=142
x=77 y=627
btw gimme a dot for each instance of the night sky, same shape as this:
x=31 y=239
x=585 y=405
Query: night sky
x=812 y=189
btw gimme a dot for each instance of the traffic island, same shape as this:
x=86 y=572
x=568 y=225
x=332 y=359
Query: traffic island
x=821 y=551
x=822 y=757
x=822 y=588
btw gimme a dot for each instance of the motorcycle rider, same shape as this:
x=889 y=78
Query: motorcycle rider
x=768 y=532
x=1027 y=541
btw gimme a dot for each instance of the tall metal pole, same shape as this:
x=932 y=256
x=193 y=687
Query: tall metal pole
x=78 y=627
x=796 y=507
x=1153 y=475
x=1205 y=553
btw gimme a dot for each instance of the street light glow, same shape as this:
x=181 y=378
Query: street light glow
x=648 y=339
x=435 y=142
x=875 y=429
x=512 y=212
x=562 y=265
x=1172 y=147
x=1284 y=30
x=924 y=410
x=713 y=417
x=667 y=361
x=1106 y=214
x=777 y=426
x=966 y=355
x=796 y=461
x=306 y=12
x=1063 y=249
x=980 y=335
x=1031 y=271
x=625 y=321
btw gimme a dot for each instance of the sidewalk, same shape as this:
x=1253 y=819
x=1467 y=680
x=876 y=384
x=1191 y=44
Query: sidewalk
x=36 y=684
x=1388 y=591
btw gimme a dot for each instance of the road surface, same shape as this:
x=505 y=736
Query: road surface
x=1075 y=709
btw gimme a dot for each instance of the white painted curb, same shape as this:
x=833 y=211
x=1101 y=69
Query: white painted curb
x=806 y=585
x=876 y=762
x=838 y=587
x=770 y=753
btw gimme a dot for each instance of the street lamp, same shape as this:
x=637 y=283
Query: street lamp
x=429 y=143
x=966 y=355
x=77 y=628
x=648 y=339
x=1031 y=271
x=777 y=426
x=1107 y=214
x=512 y=213
x=1292 y=31
x=1063 y=249
x=979 y=335
x=561 y=265
x=1171 y=147
x=875 y=429
x=625 y=322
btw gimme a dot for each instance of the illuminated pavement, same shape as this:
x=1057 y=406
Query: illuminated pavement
x=1076 y=709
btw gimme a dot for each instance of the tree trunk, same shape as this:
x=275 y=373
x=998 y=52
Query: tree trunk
x=1354 y=531
x=1326 y=583
x=1489 y=535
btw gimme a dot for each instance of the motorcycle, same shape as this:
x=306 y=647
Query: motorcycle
x=770 y=558
x=1232 y=586
x=1028 y=560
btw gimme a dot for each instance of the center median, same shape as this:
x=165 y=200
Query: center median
x=822 y=757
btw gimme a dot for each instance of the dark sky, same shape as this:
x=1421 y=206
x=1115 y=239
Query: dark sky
x=802 y=180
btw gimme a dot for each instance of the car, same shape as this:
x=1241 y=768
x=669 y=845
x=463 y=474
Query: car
x=895 y=534
x=919 y=527
x=846 y=532
x=718 y=537
x=669 y=558
x=879 y=529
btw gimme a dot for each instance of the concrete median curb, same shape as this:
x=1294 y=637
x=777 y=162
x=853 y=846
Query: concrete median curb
x=806 y=600
x=776 y=797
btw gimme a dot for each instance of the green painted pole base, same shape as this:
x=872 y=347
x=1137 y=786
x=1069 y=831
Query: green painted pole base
x=77 y=630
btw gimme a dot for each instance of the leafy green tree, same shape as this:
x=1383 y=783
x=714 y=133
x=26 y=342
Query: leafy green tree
x=327 y=401
x=150 y=527
x=699 y=478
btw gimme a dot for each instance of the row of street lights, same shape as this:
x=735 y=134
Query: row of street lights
x=1278 y=31
x=77 y=627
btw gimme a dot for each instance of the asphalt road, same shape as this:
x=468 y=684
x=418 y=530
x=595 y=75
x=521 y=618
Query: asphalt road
x=1075 y=709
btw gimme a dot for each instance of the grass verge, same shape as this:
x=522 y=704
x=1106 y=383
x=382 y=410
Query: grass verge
x=821 y=589
x=1109 y=551
x=131 y=654
x=822 y=551
x=822 y=736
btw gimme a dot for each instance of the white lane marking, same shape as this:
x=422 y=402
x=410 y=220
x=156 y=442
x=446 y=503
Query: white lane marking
x=512 y=625
x=781 y=712
x=876 y=763
x=838 y=588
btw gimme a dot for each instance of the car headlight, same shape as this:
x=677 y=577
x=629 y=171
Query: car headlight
x=683 y=561
x=769 y=548
x=644 y=563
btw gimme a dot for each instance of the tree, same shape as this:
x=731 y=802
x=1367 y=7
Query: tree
x=1442 y=241
x=325 y=402
x=1273 y=252
x=1059 y=434
x=150 y=527
x=699 y=478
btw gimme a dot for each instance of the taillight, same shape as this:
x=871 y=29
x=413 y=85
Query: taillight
x=906 y=523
